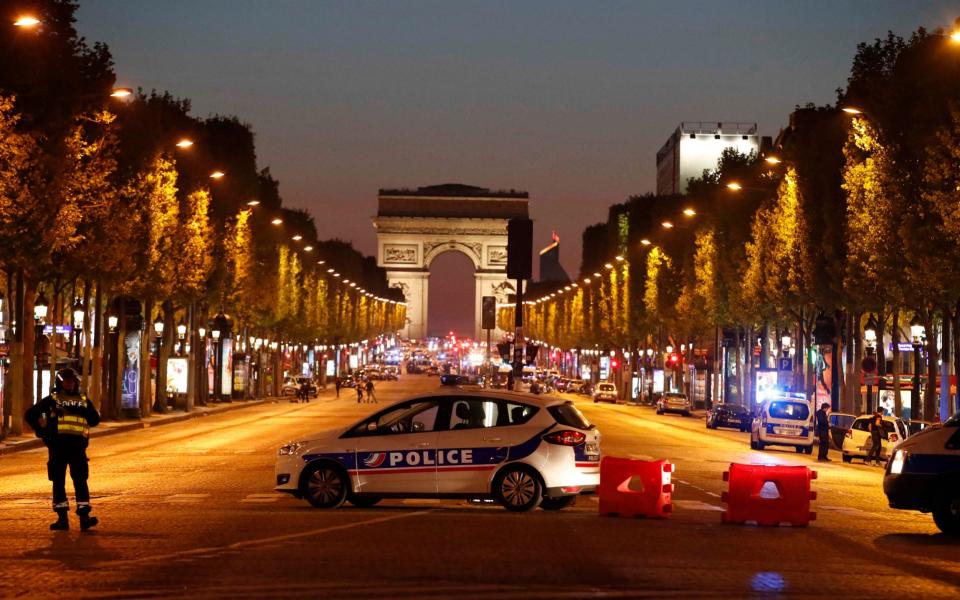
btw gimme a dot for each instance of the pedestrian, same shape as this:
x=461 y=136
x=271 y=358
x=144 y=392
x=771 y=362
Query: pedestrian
x=336 y=383
x=303 y=391
x=876 y=435
x=371 y=397
x=823 y=431
x=63 y=420
x=359 y=385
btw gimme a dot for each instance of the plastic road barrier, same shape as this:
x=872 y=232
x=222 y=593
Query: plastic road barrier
x=635 y=488
x=768 y=495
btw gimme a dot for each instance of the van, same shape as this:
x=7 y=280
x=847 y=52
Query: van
x=923 y=474
x=782 y=421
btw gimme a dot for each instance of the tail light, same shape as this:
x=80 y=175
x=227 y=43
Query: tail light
x=849 y=434
x=565 y=438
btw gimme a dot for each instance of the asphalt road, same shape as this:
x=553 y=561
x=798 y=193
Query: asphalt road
x=188 y=510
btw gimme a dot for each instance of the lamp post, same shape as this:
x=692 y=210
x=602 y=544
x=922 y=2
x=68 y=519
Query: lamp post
x=78 y=313
x=158 y=330
x=182 y=335
x=916 y=334
x=869 y=364
x=217 y=374
x=39 y=314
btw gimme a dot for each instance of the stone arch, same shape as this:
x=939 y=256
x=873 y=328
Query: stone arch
x=431 y=250
x=414 y=227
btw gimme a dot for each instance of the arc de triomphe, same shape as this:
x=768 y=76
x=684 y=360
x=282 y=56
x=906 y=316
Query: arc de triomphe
x=416 y=226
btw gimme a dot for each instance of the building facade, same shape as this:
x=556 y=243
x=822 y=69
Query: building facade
x=695 y=147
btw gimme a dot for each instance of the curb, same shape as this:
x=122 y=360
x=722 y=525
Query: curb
x=136 y=425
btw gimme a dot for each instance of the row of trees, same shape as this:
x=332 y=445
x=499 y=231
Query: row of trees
x=106 y=194
x=854 y=212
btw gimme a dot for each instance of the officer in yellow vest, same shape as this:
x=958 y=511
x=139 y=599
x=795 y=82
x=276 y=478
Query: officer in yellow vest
x=63 y=419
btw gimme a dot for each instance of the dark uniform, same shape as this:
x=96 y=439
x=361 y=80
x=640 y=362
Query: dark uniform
x=63 y=420
x=823 y=433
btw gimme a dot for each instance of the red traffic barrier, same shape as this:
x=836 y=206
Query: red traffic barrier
x=635 y=488
x=768 y=495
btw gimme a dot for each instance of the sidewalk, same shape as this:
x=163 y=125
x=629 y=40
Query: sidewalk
x=25 y=442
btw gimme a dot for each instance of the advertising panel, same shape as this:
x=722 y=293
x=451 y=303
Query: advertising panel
x=765 y=384
x=331 y=368
x=130 y=387
x=177 y=375
x=226 y=362
x=604 y=367
x=239 y=374
x=658 y=381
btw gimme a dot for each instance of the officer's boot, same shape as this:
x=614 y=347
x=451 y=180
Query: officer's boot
x=86 y=521
x=62 y=523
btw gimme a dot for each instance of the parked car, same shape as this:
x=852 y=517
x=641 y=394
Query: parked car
x=291 y=386
x=575 y=386
x=914 y=426
x=782 y=421
x=605 y=391
x=674 y=402
x=856 y=442
x=729 y=415
x=839 y=424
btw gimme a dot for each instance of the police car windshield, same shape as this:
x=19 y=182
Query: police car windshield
x=789 y=410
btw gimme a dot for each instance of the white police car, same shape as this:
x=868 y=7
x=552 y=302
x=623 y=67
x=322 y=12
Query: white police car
x=923 y=474
x=522 y=450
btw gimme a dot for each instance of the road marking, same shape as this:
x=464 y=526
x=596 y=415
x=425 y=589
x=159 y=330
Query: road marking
x=211 y=552
x=695 y=505
x=847 y=510
x=263 y=498
x=186 y=498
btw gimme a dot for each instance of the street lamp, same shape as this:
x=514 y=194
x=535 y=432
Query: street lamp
x=869 y=363
x=917 y=334
x=79 y=312
x=26 y=21
x=184 y=143
x=39 y=314
x=112 y=322
x=182 y=334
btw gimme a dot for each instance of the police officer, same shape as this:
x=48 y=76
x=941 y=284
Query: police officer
x=63 y=420
x=823 y=432
x=876 y=434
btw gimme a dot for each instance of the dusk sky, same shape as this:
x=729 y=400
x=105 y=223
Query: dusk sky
x=567 y=100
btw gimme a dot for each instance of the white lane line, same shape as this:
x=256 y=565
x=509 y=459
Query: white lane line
x=263 y=498
x=210 y=552
x=695 y=505
x=846 y=510
x=186 y=498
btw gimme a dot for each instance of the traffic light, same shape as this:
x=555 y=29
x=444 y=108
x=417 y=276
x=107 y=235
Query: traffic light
x=673 y=360
x=519 y=248
x=488 y=312
x=614 y=363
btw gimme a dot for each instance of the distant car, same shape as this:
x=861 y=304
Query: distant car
x=856 y=442
x=839 y=424
x=291 y=386
x=433 y=371
x=605 y=391
x=575 y=386
x=782 y=421
x=390 y=374
x=914 y=426
x=729 y=415
x=674 y=402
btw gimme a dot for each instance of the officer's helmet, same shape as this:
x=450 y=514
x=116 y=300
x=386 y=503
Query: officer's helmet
x=65 y=374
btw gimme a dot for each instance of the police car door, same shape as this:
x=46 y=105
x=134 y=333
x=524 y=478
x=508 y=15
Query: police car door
x=396 y=452
x=471 y=447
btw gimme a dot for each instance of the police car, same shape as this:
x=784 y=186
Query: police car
x=519 y=449
x=923 y=474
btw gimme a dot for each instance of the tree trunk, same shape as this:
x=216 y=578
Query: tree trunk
x=738 y=343
x=930 y=407
x=956 y=354
x=945 y=401
x=146 y=387
x=855 y=340
x=897 y=363
x=166 y=342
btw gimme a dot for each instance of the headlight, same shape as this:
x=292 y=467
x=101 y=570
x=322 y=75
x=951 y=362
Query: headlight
x=897 y=462
x=290 y=448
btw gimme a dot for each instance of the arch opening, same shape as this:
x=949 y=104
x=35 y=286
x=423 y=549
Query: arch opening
x=451 y=295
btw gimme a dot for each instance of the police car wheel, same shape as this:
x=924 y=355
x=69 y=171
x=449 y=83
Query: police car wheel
x=557 y=503
x=325 y=487
x=947 y=514
x=518 y=489
x=847 y=458
x=809 y=449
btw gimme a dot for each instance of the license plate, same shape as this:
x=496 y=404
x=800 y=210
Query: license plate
x=593 y=448
x=786 y=431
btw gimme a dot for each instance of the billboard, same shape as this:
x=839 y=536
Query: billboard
x=177 y=375
x=130 y=386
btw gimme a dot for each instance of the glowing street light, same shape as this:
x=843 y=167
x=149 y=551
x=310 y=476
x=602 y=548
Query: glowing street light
x=667 y=224
x=121 y=92
x=689 y=212
x=277 y=221
x=773 y=160
x=297 y=237
x=26 y=21
x=851 y=110
x=253 y=203
x=645 y=242
x=955 y=36
x=184 y=143
x=217 y=175
x=308 y=248
x=734 y=186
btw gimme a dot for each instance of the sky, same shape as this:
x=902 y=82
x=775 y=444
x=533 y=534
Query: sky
x=567 y=100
